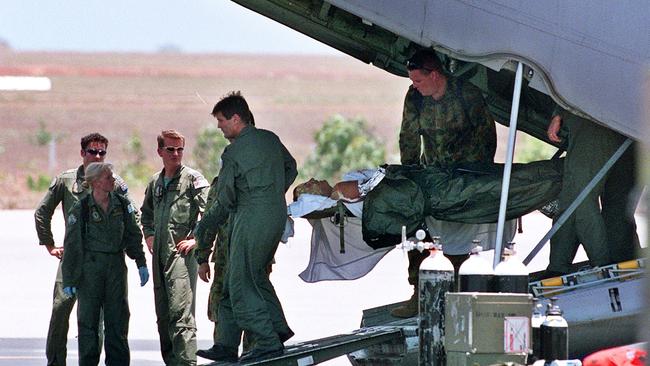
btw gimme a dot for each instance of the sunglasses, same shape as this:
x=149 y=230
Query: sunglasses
x=171 y=149
x=96 y=152
x=414 y=65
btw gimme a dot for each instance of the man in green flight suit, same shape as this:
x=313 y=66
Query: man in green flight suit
x=220 y=260
x=67 y=188
x=257 y=171
x=445 y=120
x=608 y=235
x=174 y=199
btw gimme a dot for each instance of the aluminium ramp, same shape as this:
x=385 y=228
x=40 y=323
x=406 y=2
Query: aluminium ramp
x=321 y=350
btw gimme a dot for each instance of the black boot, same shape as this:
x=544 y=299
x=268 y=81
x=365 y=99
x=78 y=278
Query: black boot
x=219 y=352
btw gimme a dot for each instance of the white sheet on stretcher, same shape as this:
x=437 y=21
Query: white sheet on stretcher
x=327 y=263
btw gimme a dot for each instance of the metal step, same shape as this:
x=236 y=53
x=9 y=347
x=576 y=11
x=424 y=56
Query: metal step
x=321 y=350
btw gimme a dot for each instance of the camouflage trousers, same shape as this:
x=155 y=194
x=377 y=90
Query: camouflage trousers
x=216 y=292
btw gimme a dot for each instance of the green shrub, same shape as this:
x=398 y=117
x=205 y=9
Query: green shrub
x=342 y=145
x=136 y=172
x=532 y=149
x=38 y=184
x=207 y=152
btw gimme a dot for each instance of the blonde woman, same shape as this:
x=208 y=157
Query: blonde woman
x=102 y=227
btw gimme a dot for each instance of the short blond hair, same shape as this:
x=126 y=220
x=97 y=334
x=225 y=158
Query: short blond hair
x=94 y=170
x=170 y=134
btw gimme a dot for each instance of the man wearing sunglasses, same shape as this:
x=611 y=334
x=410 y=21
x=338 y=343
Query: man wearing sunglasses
x=174 y=199
x=445 y=120
x=67 y=188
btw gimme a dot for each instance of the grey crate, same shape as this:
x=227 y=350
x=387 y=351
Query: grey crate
x=475 y=322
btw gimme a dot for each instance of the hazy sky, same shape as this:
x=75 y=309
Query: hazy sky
x=147 y=26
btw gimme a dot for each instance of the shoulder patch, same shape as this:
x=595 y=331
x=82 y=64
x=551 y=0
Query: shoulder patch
x=72 y=219
x=120 y=183
x=198 y=180
x=130 y=208
x=70 y=172
x=201 y=183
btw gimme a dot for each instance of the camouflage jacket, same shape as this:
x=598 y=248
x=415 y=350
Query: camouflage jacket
x=204 y=249
x=458 y=127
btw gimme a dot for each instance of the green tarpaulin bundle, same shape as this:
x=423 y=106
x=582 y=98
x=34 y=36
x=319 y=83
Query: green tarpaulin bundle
x=468 y=193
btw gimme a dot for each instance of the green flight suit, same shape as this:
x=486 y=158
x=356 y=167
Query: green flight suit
x=609 y=235
x=170 y=212
x=619 y=201
x=257 y=170
x=95 y=243
x=220 y=260
x=66 y=189
x=458 y=127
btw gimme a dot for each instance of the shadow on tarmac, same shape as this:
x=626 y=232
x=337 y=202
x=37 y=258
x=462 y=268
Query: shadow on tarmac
x=31 y=352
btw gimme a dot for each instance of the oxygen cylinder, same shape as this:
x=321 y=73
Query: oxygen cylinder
x=536 y=321
x=511 y=275
x=436 y=279
x=476 y=273
x=555 y=334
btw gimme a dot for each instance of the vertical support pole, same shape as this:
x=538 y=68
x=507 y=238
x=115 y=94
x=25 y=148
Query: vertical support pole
x=505 y=184
x=51 y=156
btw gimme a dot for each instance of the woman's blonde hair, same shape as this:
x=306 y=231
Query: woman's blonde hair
x=94 y=170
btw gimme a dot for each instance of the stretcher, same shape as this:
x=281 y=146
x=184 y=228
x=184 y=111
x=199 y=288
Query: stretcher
x=349 y=238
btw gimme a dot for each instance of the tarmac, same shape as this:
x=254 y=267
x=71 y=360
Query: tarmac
x=314 y=310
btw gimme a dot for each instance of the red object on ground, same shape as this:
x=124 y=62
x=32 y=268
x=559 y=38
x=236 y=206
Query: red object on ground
x=634 y=355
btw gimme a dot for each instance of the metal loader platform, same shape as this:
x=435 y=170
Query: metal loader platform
x=321 y=350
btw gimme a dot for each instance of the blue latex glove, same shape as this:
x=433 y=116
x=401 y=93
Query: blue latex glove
x=144 y=275
x=70 y=291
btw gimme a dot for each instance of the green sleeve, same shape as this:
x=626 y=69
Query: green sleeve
x=45 y=211
x=558 y=111
x=73 y=254
x=204 y=249
x=290 y=169
x=218 y=213
x=564 y=129
x=218 y=236
x=146 y=211
x=132 y=237
x=202 y=255
x=212 y=193
x=482 y=126
x=201 y=198
x=409 y=135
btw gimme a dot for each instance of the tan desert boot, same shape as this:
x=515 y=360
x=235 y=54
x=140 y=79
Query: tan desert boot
x=409 y=309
